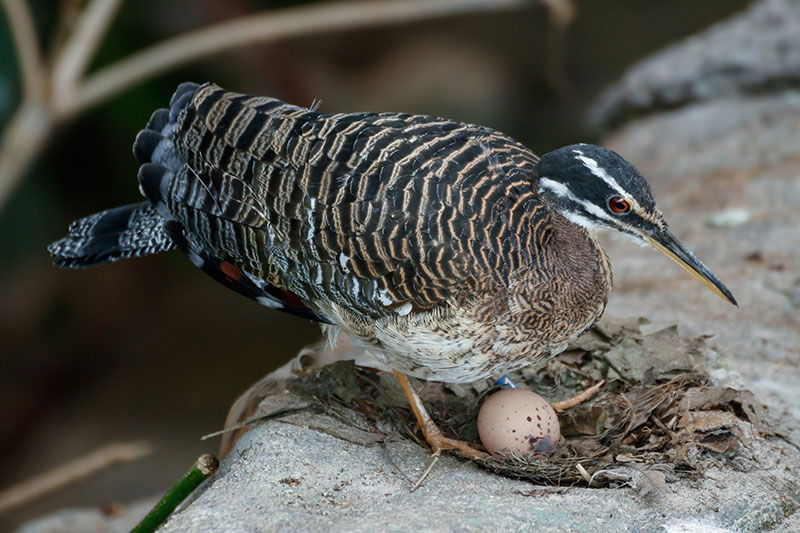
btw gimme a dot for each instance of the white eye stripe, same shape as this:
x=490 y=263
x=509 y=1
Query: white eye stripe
x=590 y=225
x=581 y=220
x=596 y=211
x=561 y=190
x=599 y=172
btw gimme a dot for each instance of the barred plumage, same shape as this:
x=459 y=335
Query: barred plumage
x=121 y=233
x=424 y=237
x=450 y=249
x=382 y=207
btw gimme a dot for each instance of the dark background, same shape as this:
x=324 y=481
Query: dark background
x=151 y=348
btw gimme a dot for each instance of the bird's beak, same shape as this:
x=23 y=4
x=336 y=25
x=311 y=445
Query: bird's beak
x=666 y=242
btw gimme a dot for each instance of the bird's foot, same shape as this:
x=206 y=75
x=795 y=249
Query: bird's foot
x=433 y=435
x=439 y=443
x=579 y=398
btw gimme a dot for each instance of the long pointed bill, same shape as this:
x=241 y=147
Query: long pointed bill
x=666 y=242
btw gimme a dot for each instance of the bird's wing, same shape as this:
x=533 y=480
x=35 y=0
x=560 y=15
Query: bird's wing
x=378 y=213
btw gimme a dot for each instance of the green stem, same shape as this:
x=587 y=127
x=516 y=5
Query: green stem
x=205 y=465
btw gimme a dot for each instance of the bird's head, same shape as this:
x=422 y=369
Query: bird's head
x=597 y=189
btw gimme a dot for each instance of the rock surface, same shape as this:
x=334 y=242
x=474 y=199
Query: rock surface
x=753 y=53
x=719 y=139
x=282 y=477
x=743 y=155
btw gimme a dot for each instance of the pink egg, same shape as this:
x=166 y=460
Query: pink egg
x=519 y=420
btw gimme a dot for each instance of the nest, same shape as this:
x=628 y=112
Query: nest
x=659 y=415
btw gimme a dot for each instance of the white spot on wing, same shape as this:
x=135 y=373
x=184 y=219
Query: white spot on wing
x=404 y=309
x=310 y=219
x=195 y=258
x=270 y=302
x=383 y=297
x=343 y=259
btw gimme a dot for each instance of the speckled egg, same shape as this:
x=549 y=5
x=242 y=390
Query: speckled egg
x=519 y=420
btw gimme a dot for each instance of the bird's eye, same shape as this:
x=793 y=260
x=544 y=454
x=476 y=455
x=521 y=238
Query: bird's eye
x=618 y=204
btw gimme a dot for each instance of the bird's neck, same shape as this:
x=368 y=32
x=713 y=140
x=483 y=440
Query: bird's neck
x=578 y=251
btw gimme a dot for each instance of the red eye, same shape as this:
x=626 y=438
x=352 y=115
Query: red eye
x=618 y=204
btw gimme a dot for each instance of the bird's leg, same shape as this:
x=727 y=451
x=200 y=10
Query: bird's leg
x=433 y=435
x=563 y=405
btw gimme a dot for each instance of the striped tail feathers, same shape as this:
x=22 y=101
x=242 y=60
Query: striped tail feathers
x=182 y=96
x=129 y=231
x=137 y=229
x=155 y=151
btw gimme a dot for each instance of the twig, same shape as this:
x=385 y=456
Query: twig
x=74 y=57
x=205 y=465
x=262 y=418
x=62 y=92
x=584 y=474
x=26 y=134
x=672 y=435
x=425 y=474
x=72 y=472
x=29 y=54
x=270 y=26
x=561 y=13
x=69 y=11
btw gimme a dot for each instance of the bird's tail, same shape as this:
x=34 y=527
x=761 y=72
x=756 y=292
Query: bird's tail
x=123 y=232
x=155 y=150
x=137 y=229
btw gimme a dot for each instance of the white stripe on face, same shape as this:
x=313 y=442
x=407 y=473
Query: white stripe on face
x=557 y=188
x=600 y=172
x=561 y=190
x=581 y=220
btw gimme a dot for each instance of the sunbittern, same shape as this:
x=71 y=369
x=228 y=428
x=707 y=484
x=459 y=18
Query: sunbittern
x=449 y=249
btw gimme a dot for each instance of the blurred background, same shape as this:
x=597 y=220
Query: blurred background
x=152 y=349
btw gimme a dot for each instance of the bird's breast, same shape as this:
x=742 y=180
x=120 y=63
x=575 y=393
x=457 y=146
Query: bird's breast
x=531 y=314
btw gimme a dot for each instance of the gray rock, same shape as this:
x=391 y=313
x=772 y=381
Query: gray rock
x=755 y=52
x=790 y=525
x=281 y=477
x=703 y=159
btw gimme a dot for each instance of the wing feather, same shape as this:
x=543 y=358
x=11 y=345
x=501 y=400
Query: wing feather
x=370 y=211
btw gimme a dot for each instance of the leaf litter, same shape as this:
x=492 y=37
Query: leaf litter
x=659 y=416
